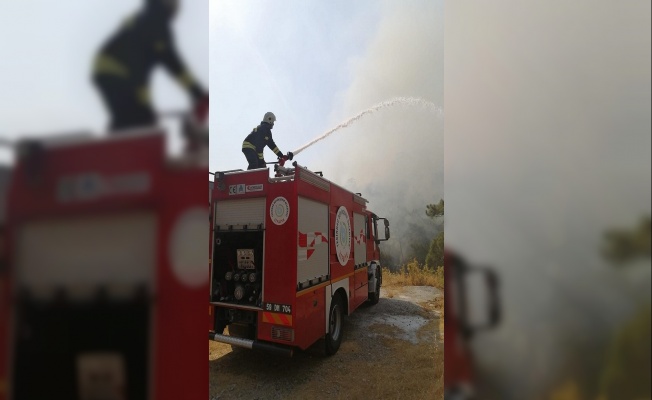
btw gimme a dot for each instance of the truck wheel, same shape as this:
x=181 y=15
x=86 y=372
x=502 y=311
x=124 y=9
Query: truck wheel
x=375 y=297
x=335 y=329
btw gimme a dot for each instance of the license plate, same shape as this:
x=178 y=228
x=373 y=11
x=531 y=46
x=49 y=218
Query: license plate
x=278 y=308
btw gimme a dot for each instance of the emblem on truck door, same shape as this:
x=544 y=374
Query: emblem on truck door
x=279 y=211
x=342 y=235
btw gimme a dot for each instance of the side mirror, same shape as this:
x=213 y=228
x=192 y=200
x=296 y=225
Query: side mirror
x=376 y=231
x=483 y=306
x=494 y=308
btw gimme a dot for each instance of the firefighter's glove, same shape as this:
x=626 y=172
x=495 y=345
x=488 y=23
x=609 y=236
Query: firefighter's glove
x=290 y=155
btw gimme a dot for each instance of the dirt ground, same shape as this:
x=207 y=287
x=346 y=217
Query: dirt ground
x=393 y=350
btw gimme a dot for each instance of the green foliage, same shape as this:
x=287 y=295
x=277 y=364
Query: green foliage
x=625 y=370
x=420 y=250
x=622 y=246
x=626 y=373
x=387 y=260
x=435 y=257
x=435 y=210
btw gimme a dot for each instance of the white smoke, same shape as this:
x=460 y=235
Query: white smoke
x=548 y=145
x=392 y=152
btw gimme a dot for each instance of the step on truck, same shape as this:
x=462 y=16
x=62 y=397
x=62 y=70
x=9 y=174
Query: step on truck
x=291 y=255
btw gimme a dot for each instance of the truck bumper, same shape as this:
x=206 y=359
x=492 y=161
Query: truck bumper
x=251 y=344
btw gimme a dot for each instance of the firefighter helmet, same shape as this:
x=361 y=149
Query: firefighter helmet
x=269 y=118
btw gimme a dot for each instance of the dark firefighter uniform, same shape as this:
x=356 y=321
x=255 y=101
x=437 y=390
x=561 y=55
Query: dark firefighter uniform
x=255 y=143
x=124 y=63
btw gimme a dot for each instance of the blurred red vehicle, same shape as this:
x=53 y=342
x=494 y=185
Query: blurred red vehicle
x=103 y=287
x=462 y=322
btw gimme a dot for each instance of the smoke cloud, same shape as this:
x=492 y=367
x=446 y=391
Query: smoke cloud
x=393 y=156
x=548 y=132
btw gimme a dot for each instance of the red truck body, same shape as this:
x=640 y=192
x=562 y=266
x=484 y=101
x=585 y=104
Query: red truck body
x=460 y=376
x=299 y=245
x=105 y=272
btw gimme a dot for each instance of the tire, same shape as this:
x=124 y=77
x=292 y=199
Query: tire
x=335 y=326
x=375 y=297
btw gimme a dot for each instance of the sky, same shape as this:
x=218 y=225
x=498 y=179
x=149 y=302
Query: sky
x=45 y=80
x=315 y=64
x=292 y=58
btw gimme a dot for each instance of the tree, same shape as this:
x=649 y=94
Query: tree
x=419 y=238
x=387 y=260
x=435 y=256
x=622 y=246
x=420 y=250
x=435 y=210
x=626 y=369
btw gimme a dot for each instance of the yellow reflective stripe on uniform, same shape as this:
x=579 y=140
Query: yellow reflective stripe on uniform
x=128 y=22
x=142 y=94
x=261 y=156
x=247 y=145
x=185 y=79
x=105 y=64
x=276 y=150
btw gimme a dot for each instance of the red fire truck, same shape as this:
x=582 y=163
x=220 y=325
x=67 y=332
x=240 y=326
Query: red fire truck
x=291 y=256
x=460 y=324
x=105 y=280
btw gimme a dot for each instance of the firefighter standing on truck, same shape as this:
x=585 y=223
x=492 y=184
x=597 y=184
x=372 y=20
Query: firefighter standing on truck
x=255 y=143
x=124 y=63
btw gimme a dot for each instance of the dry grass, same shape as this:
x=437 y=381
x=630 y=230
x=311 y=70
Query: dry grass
x=408 y=372
x=367 y=366
x=414 y=274
x=438 y=306
x=418 y=373
x=393 y=369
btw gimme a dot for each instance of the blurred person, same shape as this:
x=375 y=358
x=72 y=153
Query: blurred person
x=196 y=139
x=255 y=143
x=123 y=66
